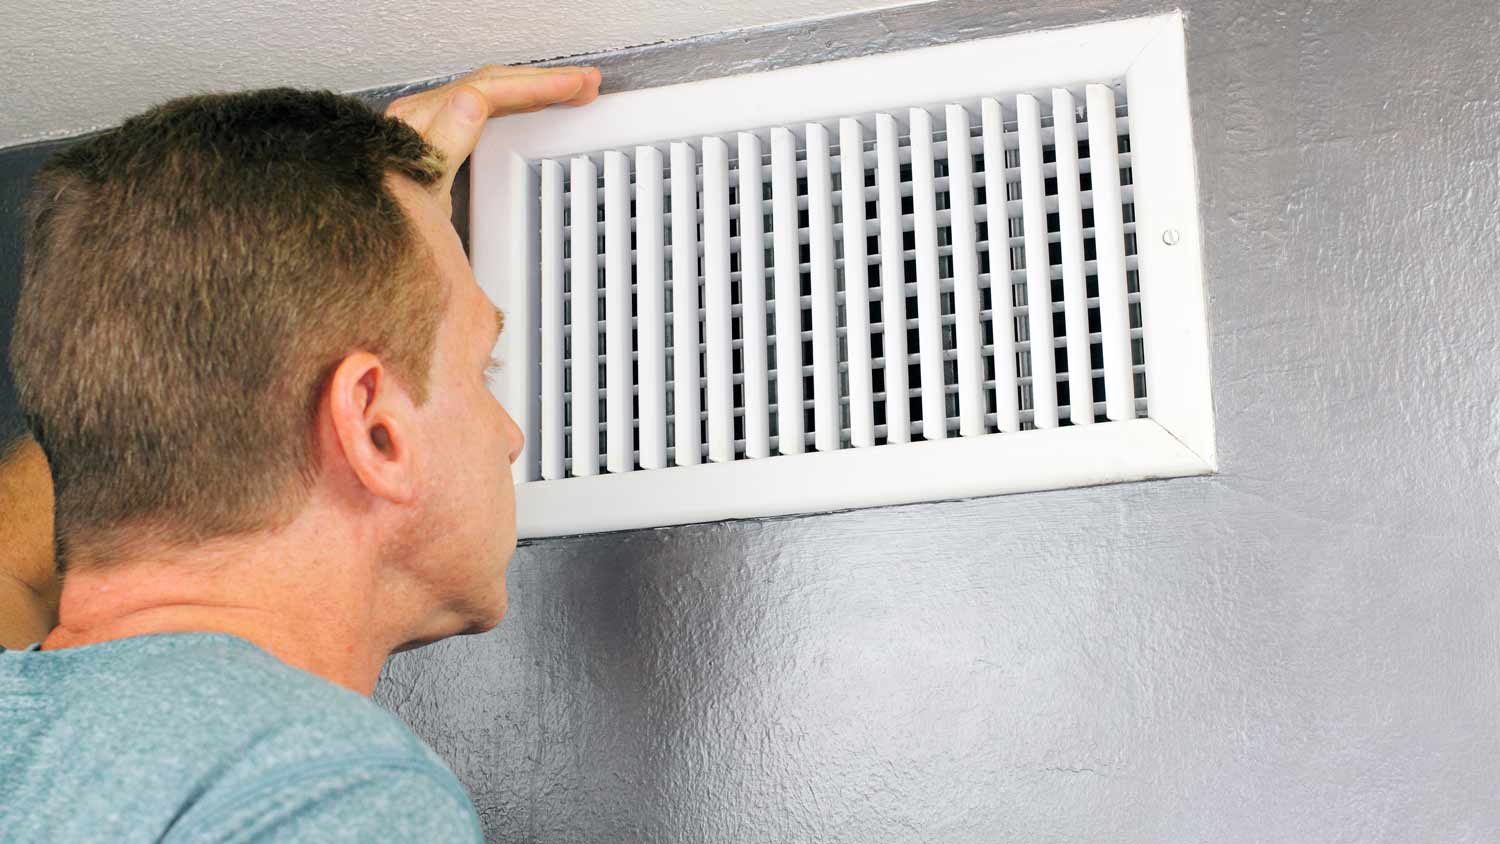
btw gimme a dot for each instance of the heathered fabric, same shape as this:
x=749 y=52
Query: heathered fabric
x=188 y=737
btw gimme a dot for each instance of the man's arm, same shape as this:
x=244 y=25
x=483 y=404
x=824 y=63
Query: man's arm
x=28 y=579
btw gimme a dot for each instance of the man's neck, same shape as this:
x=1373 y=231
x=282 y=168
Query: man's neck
x=323 y=613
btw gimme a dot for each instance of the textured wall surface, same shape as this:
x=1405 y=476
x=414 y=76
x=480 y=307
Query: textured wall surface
x=1302 y=648
x=84 y=64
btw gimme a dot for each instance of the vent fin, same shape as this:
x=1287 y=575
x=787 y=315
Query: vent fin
x=687 y=400
x=827 y=420
x=892 y=280
x=553 y=453
x=1039 y=357
x=929 y=317
x=965 y=263
x=1002 y=291
x=856 y=282
x=1075 y=287
x=717 y=375
x=756 y=385
x=618 y=412
x=786 y=262
x=584 y=312
x=651 y=307
x=1109 y=227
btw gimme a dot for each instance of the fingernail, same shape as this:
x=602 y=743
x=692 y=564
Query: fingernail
x=467 y=105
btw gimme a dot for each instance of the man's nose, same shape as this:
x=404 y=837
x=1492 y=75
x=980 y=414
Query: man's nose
x=515 y=436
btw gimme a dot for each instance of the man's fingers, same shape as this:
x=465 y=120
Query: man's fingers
x=500 y=71
x=518 y=92
x=526 y=86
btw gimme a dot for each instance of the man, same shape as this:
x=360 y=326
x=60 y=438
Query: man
x=255 y=356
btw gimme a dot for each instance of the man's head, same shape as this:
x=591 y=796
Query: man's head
x=236 y=306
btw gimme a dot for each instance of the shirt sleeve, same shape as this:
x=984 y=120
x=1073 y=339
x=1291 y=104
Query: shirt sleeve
x=338 y=801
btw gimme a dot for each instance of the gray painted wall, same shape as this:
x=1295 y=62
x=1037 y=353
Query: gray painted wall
x=1302 y=648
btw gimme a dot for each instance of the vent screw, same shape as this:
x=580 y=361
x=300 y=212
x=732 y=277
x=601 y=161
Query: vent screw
x=1171 y=237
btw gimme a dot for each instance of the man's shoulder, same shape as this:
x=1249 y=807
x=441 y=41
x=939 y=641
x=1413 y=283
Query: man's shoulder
x=223 y=683
x=322 y=761
x=203 y=728
x=191 y=697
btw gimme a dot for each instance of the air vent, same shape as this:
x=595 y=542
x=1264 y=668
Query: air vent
x=957 y=271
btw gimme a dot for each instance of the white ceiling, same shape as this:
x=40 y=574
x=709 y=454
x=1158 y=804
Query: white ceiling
x=70 y=67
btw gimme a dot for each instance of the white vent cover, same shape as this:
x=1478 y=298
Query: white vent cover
x=815 y=289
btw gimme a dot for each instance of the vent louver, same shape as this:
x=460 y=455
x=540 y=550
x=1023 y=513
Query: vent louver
x=929 y=298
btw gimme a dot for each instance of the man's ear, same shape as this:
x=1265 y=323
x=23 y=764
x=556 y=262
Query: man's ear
x=370 y=417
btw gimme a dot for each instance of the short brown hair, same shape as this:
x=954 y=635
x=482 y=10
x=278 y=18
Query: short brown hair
x=191 y=279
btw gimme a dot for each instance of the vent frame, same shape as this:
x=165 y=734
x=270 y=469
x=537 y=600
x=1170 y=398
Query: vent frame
x=1176 y=438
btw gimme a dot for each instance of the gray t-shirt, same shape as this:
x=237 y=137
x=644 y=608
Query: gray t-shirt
x=185 y=737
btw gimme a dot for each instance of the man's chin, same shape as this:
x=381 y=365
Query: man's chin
x=486 y=615
x=475 y=624
x=483 y=608
x=488 y=622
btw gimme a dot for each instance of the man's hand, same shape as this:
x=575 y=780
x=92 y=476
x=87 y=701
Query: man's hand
x=451 y=117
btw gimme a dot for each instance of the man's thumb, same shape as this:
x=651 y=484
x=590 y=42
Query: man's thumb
x=456 y=127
